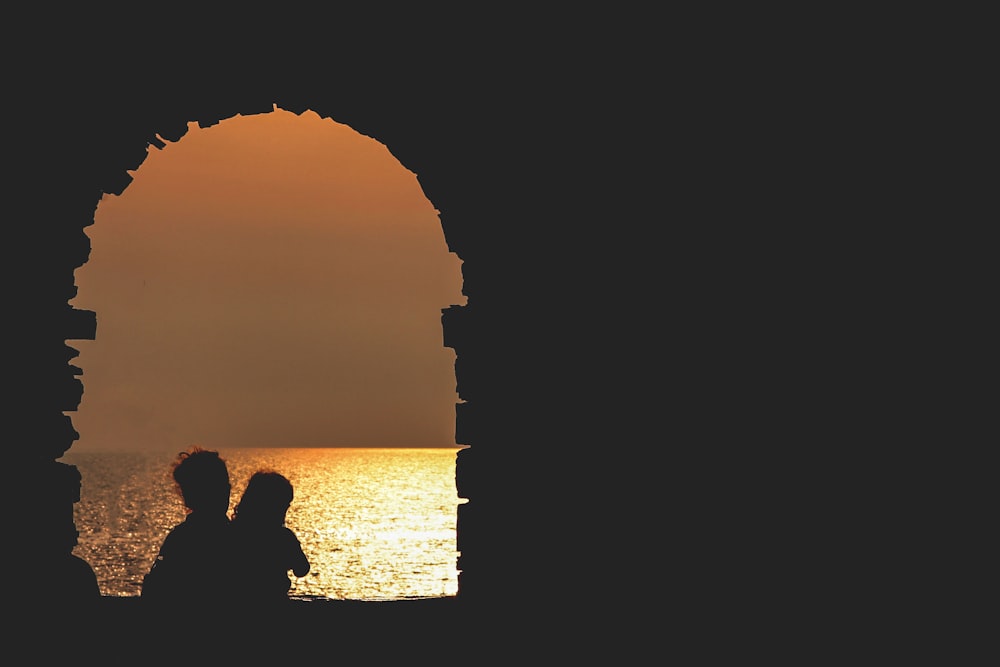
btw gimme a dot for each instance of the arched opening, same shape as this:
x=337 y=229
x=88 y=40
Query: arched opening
x=213 y=263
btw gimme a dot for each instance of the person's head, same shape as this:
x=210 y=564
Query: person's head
x=266 y=498
x=202 y=478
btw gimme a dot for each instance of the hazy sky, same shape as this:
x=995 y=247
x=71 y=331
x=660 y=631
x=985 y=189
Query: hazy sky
x=273 y=280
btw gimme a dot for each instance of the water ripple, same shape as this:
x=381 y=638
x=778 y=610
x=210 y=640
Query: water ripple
x=376 y=524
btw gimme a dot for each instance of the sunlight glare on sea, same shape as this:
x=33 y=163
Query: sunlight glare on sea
x=376 y=524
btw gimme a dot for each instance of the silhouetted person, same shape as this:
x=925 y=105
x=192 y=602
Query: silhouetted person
x=192 y=569
x=266 y=550
x=42 y=571
x=64 y=577
x=55 y=594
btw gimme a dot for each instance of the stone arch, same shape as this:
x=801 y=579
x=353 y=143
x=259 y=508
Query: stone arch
x=124 y=145
x=103 y=329
x=527 y=140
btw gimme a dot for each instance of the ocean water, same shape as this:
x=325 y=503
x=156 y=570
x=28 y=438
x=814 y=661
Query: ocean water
x=376 y=524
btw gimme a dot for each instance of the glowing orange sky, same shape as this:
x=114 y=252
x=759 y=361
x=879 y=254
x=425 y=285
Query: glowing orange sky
x=271 y=280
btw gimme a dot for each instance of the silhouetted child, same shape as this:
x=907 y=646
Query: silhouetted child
x=266 y=549
x=192 y=568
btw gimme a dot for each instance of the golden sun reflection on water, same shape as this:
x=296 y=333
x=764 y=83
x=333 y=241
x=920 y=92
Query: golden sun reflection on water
x=376 y=524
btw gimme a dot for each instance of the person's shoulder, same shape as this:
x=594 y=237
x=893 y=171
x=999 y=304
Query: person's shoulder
x=78 y=563
x=85 y=575
x=180 y=529
x=181 y=534
x=289 y=534
x=173 y=533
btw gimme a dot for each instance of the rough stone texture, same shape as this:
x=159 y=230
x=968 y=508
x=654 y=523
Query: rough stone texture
x=510 y=140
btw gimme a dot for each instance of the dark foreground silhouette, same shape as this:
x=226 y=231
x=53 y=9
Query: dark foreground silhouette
x=191 y=570
x=265 y=550
x=44 y=564
x=209 y=564
x=65 y=575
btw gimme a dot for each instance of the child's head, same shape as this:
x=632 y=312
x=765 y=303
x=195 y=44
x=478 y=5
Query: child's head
x=266 y=498
x=203 y=480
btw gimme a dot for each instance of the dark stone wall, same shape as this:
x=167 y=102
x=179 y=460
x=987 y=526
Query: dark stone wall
x=513 y=152
x=688 y=339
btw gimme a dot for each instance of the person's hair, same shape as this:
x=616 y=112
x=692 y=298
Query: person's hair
x=202 y=479
x=265 y=500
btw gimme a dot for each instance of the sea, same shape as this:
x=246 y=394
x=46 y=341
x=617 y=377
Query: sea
x=376 y=523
